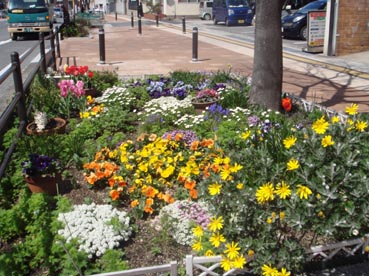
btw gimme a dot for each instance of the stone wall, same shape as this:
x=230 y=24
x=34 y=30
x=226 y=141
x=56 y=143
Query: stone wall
x=352 y=28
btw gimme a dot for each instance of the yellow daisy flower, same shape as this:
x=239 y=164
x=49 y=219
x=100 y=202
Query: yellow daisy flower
x=352 y=109
x=289 y=142
x=327 y=141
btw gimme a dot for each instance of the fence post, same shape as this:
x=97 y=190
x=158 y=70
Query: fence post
x=18 y=85
x=184 y=24
x=57 y=30
x=195 y=35
x=189 y=265
x=42 y=52
x=132 y=22
x=52 y=46
x=139 y=26
x=102 y=45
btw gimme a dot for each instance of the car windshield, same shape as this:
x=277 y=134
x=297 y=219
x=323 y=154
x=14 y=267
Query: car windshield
x=317 y=5
x=26 y=4
x=238 y=3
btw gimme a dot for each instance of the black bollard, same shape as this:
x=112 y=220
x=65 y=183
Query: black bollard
x=102 y=45
x=132 y=22
x=157 y=20
x=195 y=37
x=116 y=16
x=184 y=25
x=139 y=26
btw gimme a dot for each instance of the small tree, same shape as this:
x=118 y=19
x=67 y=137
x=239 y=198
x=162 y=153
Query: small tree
x=267 y=73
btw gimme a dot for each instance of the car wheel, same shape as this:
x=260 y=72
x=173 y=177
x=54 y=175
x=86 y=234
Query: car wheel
x=303 y=33
x=13 y=36
x=227 y=22
x=207 y=16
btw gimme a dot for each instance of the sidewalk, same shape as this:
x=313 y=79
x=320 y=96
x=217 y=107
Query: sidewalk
x=161 y=50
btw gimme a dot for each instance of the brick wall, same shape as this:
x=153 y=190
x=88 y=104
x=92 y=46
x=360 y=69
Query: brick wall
x=352 y=28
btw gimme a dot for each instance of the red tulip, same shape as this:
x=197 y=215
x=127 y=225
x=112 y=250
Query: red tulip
x=287 y=104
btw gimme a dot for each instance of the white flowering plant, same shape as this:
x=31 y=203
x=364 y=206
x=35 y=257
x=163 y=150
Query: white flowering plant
x=96 y=228
x=179 y=218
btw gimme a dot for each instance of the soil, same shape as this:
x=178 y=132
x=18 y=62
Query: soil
x=146 y=247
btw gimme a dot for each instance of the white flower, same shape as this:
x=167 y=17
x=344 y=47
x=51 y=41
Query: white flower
x=40 y=120
x=92 y=227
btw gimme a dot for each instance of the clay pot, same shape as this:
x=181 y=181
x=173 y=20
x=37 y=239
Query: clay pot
x=54 y=126
x=200 y=107
x=47 y=184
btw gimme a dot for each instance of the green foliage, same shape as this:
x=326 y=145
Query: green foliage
x=105 y=79
x=187 y=77
x=45 y=95
x=79 y=27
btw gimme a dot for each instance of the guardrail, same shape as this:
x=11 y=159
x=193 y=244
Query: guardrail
x=17 y=107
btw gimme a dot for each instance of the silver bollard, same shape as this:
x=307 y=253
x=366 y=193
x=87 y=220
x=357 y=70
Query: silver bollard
x=102 y=45
x=195 y=37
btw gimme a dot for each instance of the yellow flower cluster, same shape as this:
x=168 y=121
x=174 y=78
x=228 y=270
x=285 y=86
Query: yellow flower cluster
x=211 y=242
x=152 y=171
x=266 y=192
x=269 y=270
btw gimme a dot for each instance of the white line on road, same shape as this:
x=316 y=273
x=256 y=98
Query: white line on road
x=5 y=41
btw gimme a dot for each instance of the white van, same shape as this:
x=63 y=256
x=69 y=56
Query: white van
x=206 y=10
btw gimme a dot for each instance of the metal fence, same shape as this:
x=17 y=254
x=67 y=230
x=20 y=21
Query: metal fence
x=17 y=107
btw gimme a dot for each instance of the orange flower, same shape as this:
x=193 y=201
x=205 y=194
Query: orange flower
x=149 y=201
x=215 y=168
x=168 y=198
x=195 y=145
x=148 y=209
x=287 y=104
x=111 y=181
x=207 y=143
x=152 y=137
x=134 y=203
x=114 y=194
x=91 y=179
x=190 y=184
x=141 y=137
x=181 y=178
x=149 y=191
x=193 y=193
x=178 y=137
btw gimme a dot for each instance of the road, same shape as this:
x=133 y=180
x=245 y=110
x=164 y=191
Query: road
x=7 y=46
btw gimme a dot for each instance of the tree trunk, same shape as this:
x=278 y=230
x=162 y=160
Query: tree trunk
x=267 y=76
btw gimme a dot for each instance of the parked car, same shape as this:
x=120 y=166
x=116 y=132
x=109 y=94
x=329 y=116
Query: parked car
x=295 y=25
x=232 y=12
x=58 y=13
x=206 y=10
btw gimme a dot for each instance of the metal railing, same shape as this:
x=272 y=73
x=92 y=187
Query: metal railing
x=17 y=107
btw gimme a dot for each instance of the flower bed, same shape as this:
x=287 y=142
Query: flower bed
x=274 y=183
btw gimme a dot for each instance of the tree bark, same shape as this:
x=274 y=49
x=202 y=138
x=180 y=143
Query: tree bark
x=267 y=76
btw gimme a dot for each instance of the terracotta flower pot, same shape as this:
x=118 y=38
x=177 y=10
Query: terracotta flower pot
x=55 y=126
x=200 y=107
x=47 y=184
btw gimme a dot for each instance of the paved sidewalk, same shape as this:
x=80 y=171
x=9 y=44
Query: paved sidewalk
x=163 y=49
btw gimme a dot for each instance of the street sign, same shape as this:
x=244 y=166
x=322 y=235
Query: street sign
x=316 y=30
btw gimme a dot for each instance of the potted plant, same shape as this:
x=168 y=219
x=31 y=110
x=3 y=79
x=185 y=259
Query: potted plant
x=44 y=125
x=42 y=173
x=204 y=98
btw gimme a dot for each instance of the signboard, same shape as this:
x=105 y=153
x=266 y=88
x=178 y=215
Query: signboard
x=316 y=31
